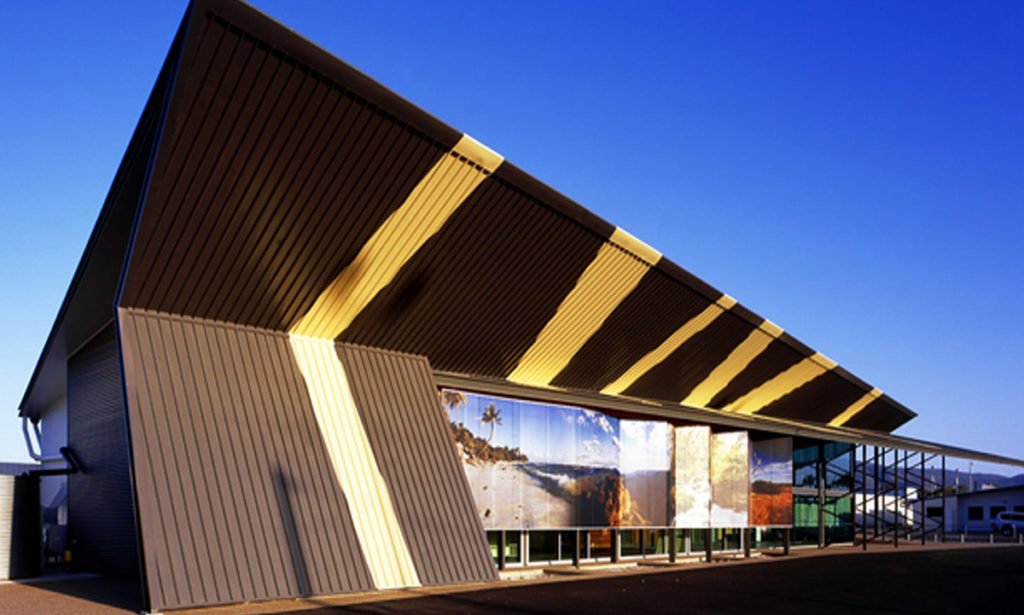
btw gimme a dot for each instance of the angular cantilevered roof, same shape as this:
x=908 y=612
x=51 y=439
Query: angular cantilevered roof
x=287 y=191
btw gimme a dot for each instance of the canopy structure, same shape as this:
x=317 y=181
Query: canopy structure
x=271 y=185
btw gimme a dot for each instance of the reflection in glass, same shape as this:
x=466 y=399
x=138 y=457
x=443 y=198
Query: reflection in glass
x=630 y=543
x=543 y=546
x=600 y=543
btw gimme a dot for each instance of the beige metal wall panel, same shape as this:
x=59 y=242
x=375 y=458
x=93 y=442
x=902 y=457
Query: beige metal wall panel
x=237 y=498
x=397 y=398
x=354 y=463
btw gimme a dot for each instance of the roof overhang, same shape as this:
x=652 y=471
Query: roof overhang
x=717 y=418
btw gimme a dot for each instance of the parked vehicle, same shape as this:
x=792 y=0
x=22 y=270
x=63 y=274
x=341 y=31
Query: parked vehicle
x=1008 y=523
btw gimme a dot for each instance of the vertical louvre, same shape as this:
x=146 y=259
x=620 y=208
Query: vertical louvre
x=397 y=399
x=100 y=508
x=237 y=499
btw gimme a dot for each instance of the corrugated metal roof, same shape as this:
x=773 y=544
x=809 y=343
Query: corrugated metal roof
x=277 y=163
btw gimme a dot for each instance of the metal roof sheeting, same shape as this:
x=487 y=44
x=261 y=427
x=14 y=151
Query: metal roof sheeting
x=275 y=164
x=279 y=169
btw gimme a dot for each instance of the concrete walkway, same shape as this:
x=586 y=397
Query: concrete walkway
x=911 y=579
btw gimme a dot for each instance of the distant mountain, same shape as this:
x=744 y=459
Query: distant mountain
x=933 y=478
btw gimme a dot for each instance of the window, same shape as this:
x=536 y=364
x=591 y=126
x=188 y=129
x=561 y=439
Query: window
x=600 y=543
x=543 y=546
x=975 y=513
x=511 y=545
x=933 y=511
x=995 y=510
x=630 y=543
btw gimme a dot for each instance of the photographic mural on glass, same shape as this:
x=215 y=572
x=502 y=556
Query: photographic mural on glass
x=645 y=462
x=691 y=487
x=730 y=479
x=771 y=482
x=534 y=465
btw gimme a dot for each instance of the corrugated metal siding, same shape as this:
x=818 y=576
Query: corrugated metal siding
x=101 y=519
x=877 y=416
x=475 y=297
x=776 y=358
x=407 y=427
x=675 y=377
x=280 y=161
x=822 y=395
x=660 y=304
x=237 y=498
x=271 y=179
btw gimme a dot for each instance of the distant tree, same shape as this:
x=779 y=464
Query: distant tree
x=491 y=416
x=453 y=399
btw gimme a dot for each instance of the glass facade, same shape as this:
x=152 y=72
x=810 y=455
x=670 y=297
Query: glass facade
x=822 y=472
x=548 y=448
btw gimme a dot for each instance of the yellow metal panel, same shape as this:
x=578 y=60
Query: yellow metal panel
x=783 y=383
x=637 y=247
x=724 y=372
x=855 y=408
x=692 y=327
x=431 y=203
x=609 y=278
x=355 y=466
x=726 y=302
x=771 y=328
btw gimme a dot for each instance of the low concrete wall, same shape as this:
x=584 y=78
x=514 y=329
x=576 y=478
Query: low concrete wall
x=19 y=527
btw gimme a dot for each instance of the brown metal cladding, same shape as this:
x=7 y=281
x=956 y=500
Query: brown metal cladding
x=100 y=499
x=279 y=161
x=879 y=415
x=272 y=180
x=776 y=358
x=477 y=294
x=408 y=430
x=690 y=364
x=237 y=499
x=826 y=395
x=655 y=309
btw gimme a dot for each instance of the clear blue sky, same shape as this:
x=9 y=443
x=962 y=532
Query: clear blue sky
x=853 y=171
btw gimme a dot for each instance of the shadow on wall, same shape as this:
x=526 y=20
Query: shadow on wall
x=283 y=488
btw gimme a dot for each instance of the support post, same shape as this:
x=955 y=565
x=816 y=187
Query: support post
x=864 y=497
x=896 y=498
x=906 y=493
x=943 y=530
x=747 y=534
x=576 y=551
x=707 y=545
x=924 y=508
x=501 y=549
x=615 y=545
x=785 y=540
x=687 y=540
x=672 y=545
x=821 y=496
x=874 y=535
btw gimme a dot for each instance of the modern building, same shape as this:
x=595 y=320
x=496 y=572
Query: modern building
x=976 y=510
x=321 y=342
